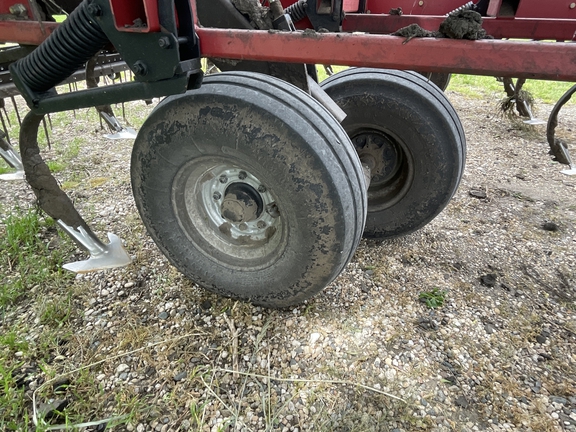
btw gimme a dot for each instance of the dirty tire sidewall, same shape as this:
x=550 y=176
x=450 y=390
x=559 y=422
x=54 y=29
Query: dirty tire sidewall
x=287 y=141
x=418 y=118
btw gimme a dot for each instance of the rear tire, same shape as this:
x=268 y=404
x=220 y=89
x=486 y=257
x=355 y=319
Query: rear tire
x=250 y=188
x=406 y=130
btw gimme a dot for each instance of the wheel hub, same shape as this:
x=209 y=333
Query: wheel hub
x=380 y=154
x=239 y=205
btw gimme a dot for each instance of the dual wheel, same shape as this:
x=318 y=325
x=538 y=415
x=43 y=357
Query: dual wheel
x=254 y=191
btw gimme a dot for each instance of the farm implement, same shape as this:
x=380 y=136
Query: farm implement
x=258 y=182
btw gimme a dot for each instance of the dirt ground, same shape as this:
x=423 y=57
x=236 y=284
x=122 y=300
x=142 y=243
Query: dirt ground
x=500 y=354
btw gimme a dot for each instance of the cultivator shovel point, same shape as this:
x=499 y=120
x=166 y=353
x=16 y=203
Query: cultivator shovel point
x=532 y=120
x=121 y=132
x=12 y=158
x=102 y=256
x=572 y=170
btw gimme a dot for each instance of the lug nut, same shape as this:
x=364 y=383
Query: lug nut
x=242 y=175
x=223 y=179
x=217 y=196
x=262 y=189
x=261 y=224
x=243 y=227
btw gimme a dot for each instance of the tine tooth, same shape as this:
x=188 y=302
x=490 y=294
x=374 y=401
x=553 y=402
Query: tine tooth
x=4 y=127
x=124 y=113
x=50 y=122
x=3 y=106
x=16 y=109
x=46 y=133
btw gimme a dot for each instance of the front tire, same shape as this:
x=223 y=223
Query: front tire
x=250 y=188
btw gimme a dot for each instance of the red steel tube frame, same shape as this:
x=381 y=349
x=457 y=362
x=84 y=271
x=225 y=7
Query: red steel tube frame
x=541 y=60
x=499 y=28
x=544 y=60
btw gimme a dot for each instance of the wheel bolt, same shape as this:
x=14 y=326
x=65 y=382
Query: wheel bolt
x=216 y=196
x=242 y=175
x=223 y=179
x=262 y=189
x=261 y=224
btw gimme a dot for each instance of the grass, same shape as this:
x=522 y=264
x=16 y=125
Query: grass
x=480 y=87
x=26 y=239
x=25 y=250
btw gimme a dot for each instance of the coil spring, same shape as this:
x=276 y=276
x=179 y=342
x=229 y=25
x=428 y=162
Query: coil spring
x=297 y=11
x=466 y=6
x=71 y=45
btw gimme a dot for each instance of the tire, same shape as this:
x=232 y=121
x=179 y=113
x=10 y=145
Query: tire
x=250 y=188
x=442 y=80
x=405 y=129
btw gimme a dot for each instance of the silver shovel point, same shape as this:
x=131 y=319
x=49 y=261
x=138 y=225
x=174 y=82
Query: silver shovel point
x=102 y=256
x=13 y=159
x=125 y=133
x=121 y=132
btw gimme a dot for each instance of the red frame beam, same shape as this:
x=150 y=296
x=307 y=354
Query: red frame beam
x=499 y=28
x=553 y=61
x=25 y=32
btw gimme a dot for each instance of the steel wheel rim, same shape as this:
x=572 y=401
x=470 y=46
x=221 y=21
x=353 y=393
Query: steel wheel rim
x=228 y=213
x=391 y=165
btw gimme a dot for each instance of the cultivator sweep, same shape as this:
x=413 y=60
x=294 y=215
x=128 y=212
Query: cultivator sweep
x=258 y=182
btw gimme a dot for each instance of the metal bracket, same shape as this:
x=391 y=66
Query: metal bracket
x=321 y=96
x=102 y=256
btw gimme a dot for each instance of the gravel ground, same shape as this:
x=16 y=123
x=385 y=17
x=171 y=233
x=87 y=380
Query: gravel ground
x=498 y=355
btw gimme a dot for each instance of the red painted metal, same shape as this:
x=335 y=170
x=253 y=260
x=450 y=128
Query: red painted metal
x=25 y=32
x=499 y=28
x=546 y=9
x=128 y=12
x=554 y=61
x=5 y=7
x=414 y=7
x=351 y=5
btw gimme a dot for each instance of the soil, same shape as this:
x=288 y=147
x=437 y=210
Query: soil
x=497 y=354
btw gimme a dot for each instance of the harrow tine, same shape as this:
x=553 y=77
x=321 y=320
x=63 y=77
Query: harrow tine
x=3 y=106
x=50 y=121
x=16 y=109
x=46 y=133
x=5 y=129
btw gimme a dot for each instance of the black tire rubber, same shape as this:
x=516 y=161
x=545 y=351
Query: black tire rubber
x=266 y=132
x=419 y=156
x=442 y=80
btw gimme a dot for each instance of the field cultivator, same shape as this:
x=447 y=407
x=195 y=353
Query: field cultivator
x=258 y=182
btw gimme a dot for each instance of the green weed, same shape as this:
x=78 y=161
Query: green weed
x=25 y=251
x=434 y=298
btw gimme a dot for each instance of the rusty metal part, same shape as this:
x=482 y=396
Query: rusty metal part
x=526 y=28
x=554 y=60
x=513 y=91
x=50 y=197
x=558 y=148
